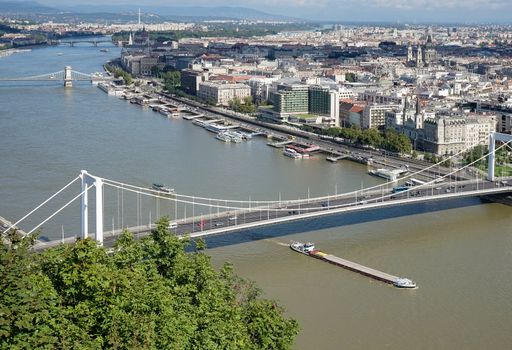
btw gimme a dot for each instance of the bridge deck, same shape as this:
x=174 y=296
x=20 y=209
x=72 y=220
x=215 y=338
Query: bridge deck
x=244 y=219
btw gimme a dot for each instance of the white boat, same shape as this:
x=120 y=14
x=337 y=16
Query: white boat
x=162 y=188
x=388 y=174
x=404 y=283
x=292 y=153
x=223 y=137
x=304 y=248
x=199 y=122
x=233 y=136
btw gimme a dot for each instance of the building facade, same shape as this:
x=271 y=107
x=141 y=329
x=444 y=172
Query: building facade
x=222 y=94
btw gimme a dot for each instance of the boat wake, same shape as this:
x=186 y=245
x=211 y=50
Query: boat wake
x=279 y=243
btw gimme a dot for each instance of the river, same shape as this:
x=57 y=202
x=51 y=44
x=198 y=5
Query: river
x=460 y=254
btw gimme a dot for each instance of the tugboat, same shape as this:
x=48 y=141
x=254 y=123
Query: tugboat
x=404 y=283
x=162 y=188
x=304 y=248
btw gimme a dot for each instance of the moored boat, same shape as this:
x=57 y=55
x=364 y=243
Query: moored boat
x=289 y=152
x=223 y=137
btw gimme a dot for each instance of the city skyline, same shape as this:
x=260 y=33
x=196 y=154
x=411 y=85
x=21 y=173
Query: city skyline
x=398 y=11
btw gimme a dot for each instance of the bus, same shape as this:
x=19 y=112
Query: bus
x=400 y=189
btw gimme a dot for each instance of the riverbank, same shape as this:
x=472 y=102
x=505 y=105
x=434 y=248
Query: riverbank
x=8 y=52
x=303 y=139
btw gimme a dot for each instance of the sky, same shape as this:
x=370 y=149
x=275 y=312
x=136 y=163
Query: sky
x=402 y=11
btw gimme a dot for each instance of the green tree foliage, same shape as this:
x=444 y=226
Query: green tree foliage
x=245 y=106
x=172 y=80
x=396 y=142
x=146 y=294
x=119 y=72
x=389 y=139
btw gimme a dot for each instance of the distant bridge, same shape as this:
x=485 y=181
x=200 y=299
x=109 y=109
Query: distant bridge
x=72 y=43
x=67 y=76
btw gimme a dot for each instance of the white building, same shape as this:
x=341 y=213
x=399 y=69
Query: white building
x=374 y=115
x=222 y=93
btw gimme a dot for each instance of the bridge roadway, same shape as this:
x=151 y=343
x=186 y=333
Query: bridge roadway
x=239 y=220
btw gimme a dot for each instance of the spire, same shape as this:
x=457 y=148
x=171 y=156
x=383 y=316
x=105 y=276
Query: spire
x=139 y=18
x=130 y=39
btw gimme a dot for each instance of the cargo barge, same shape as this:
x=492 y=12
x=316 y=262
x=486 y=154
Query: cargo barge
x=309 y=249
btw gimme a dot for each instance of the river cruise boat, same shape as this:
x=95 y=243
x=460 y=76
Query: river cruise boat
x=388 y=174
x=404 y=283
x=304 y=248
x=292 y=153
x=162 y=188
x=223 y=137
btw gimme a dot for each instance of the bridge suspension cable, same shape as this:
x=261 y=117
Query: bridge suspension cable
x=148 y=193
x=60 y=209
x=444 y=176
x=289 y=201
x=43 y=203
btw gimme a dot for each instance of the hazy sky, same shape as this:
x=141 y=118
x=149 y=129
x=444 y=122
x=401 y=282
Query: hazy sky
x=346 y=10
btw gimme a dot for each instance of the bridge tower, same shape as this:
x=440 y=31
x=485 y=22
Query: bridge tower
x=493 y=137
x=68 y=79
x=88 y=181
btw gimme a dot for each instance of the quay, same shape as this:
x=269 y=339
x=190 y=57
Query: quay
x=336 y=157
x=279 y=144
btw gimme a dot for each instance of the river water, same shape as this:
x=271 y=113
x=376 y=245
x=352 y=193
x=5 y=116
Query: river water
x=460 y=254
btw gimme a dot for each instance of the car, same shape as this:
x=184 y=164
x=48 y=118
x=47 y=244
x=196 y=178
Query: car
x=217 y=224
x=324 y=204
x=233 y=218
x=447 y=190
x=173 y=225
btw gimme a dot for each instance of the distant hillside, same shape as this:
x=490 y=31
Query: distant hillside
x=184 y=12
x=25 y=7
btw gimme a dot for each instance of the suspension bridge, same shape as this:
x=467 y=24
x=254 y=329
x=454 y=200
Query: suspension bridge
x=210 y=216
x=67 y=76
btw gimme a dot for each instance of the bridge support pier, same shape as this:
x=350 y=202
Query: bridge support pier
x=87 y=181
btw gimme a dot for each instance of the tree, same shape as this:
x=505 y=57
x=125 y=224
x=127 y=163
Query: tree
x=172 y=79
x=146 y=293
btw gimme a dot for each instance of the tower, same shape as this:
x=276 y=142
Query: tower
x=419 y=57
x=130 y=39
x=68 y=77
x=409 y=53
x=139 y=18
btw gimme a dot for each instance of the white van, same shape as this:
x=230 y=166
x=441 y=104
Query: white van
x=173 y=225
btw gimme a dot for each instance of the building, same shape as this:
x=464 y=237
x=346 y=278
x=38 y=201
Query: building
x=445 y=135
x=190 y=80
x=222 y=93
x=374 y=115
x=290 y=100
x=140 y=64
x=421 y=55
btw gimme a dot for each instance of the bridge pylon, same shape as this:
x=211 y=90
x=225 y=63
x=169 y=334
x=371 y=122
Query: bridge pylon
x=88 y=181
x=493 y=137
x=68 y=78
